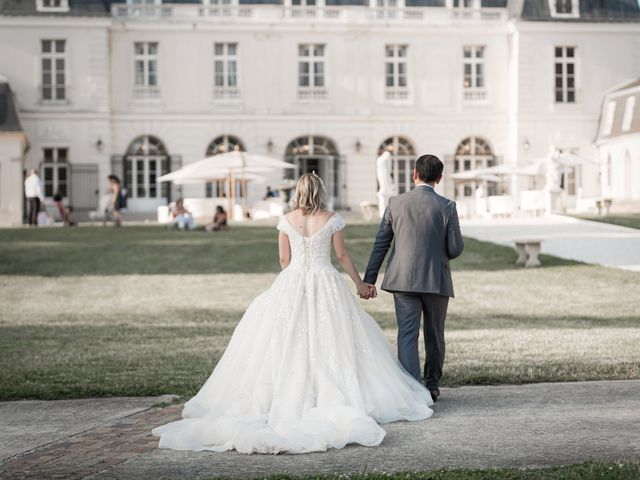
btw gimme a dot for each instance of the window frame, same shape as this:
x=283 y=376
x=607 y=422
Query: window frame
x=565 y=60
x=145 y=90
x=608 y=118
x=53 y=56
x=312 y=91
x=473 y=93
x=56 y=166
x=41 y=6
x=226 y=91
x=574 y=13
x=629 y=111
x=396 y=91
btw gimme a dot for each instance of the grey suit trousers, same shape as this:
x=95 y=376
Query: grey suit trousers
x=409 y=309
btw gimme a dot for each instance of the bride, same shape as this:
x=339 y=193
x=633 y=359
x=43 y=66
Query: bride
x=307 y=368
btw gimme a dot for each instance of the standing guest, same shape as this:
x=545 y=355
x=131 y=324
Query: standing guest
x=35 y=197
x=118 y=201
x=182 y=217
x=219 y=220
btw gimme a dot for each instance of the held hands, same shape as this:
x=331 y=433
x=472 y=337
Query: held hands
x=367 y=291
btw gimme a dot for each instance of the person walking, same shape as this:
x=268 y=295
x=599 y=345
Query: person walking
x=34 y=194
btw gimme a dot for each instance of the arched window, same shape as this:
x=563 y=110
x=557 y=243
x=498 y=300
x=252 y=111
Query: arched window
x=403 y=161
x=222 y=144
x=311 y=145
x=146 y=159
x=473 y=153
x=318 y=154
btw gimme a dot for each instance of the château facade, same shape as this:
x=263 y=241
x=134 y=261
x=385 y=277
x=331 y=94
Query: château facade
x=141 y=87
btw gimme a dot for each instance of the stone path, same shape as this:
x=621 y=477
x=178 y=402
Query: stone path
x=566 y=237
x=73 y=439
x=472 y=427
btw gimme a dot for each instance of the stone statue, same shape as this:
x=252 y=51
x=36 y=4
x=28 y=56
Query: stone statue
x=387 y=187
x=552 y=186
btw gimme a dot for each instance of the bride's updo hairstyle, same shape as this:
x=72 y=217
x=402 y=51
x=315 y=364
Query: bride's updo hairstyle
x=309 y=196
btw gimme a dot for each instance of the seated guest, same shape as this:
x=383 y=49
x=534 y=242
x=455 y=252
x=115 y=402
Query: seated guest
x=271 y=193
x=182 y=217
x=65 y=212
x=219 y=220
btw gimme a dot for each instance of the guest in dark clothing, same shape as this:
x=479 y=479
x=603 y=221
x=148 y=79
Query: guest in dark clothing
x=219 y=220
x=118 y=200
x=65 y=212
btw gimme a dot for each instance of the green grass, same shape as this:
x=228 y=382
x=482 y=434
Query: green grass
x=631 y=220
x=583 y=471
x=143 y=311
x=156 y=250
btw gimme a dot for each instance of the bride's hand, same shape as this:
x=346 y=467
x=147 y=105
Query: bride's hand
x=363 y=290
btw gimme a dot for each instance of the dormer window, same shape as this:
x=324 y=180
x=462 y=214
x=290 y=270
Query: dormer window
x=564 y=8
x=52 y=5
x=629 y=110
x=609 y=115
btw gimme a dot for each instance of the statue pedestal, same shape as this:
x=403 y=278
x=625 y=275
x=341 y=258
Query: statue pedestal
x=552 y=199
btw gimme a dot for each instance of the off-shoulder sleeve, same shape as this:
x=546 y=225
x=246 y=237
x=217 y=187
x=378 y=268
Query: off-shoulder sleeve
x=282 y=225
x=337 y=223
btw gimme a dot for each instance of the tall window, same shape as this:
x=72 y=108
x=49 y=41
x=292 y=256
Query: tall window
x=146 y=70
x=474 y=85
x=54 y=70
x=609 y=116
x=55 y=171
x=311 y=72
x=403 y=161
x=629 y=109
x=225 y=65
x=222 y=144
x=145 y=161
x=396 y=82
x=565 y=74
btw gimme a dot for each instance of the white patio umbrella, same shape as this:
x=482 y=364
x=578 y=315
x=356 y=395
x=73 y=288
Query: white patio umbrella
x=248 y=177
x=231 y=166
x=475 y=175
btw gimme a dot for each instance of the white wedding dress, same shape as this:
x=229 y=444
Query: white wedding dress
x=306 y=369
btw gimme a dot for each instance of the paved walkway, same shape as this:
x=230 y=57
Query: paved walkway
x=473 y=427
x=566 y=237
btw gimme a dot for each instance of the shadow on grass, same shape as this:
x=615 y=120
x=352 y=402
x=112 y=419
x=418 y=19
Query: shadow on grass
x=156 y=250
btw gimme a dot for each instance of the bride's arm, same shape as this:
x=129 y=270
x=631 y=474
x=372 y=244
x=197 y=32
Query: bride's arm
x=284 y=250
x=342 y=254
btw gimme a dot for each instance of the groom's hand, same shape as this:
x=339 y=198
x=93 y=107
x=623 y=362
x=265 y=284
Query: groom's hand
x=368 y=292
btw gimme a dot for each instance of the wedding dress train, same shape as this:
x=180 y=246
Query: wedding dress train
x=306 y=369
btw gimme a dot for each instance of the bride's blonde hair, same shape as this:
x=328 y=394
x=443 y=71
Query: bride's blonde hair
x=309 y=196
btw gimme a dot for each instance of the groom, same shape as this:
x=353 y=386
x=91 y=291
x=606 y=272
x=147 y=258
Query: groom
x=426 y=234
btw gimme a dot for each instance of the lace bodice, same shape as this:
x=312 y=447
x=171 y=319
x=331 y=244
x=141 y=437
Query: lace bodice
x=313 y=251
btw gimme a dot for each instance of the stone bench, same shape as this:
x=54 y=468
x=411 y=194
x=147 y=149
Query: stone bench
x=603 y=204
x=528 y=250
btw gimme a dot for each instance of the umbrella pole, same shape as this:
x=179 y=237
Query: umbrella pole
x=244 y=197
x=229 y=197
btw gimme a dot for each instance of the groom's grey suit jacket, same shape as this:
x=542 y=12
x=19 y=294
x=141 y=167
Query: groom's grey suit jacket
x=425 y=232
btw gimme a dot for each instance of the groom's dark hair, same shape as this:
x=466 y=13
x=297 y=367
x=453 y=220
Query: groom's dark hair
x=429 y=168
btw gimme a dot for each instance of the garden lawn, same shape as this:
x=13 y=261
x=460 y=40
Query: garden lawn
x=583 y=471
x=144 y=311
x=631 y=220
